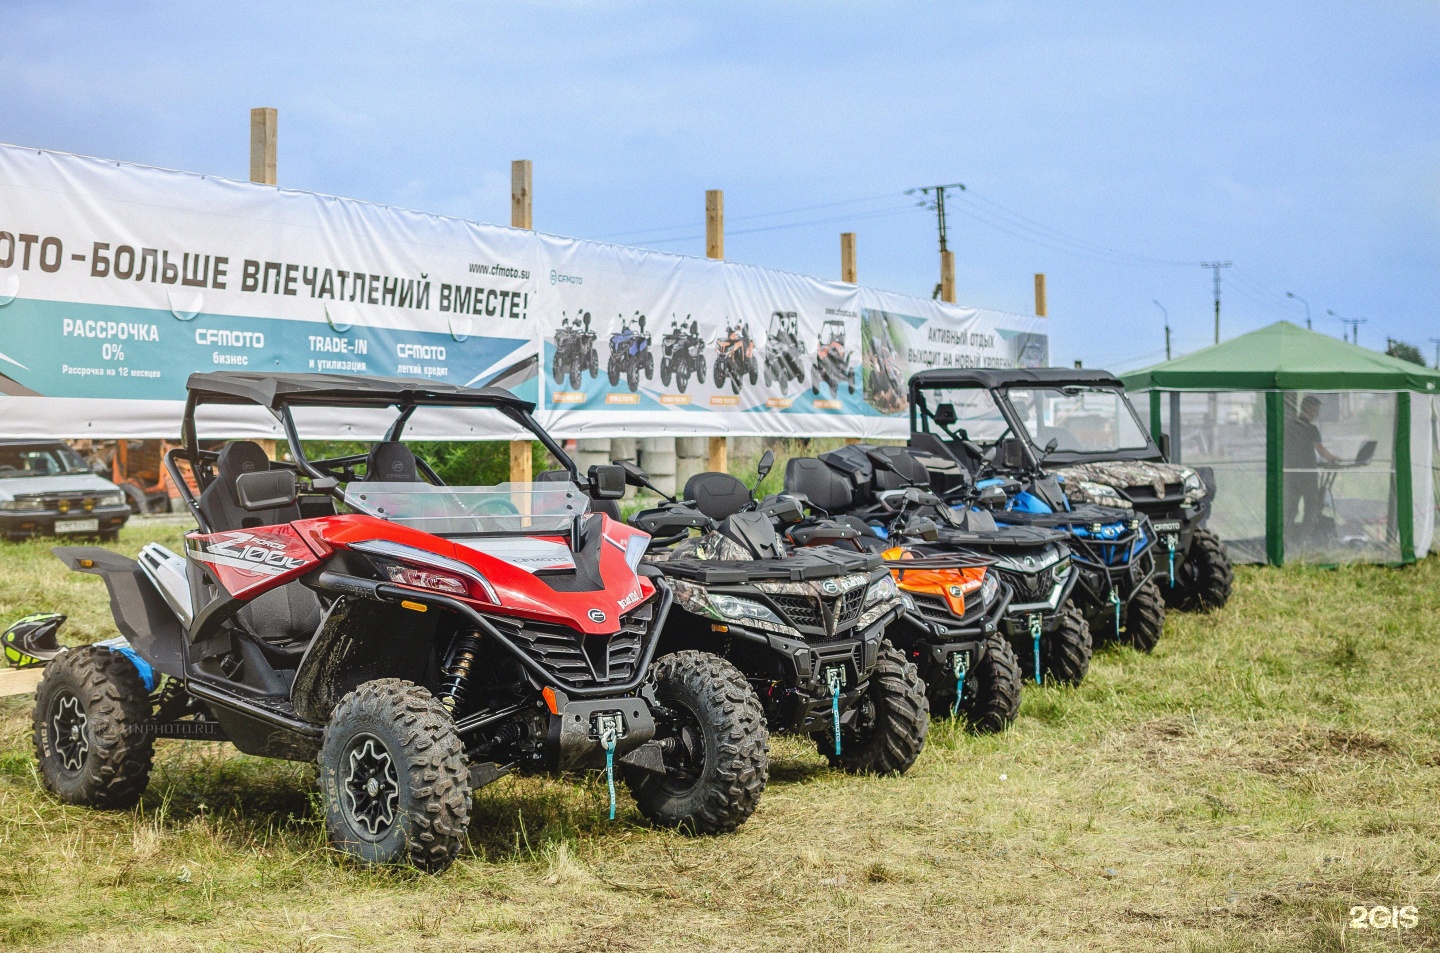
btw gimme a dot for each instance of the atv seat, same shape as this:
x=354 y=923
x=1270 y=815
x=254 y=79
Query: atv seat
x=815 y=480
x=717 y=495
x=220 y=502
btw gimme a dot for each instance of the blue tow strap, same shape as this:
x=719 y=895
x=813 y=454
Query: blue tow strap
x=960 y=661
x=1115 y=598
x=834 y=678
x=1170 y=543
x=1035 y=634
x=607 y=741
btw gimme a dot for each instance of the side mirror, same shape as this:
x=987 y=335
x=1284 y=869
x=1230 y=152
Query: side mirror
x=586 y=319
x=642 y=322
x=992 y=497
x=607 y=482
x=267 y=489
x=634 y=476
x=1012 y=454
x=945 y=415
x=1165 y=445
x=1050 y=447
x=767 y=463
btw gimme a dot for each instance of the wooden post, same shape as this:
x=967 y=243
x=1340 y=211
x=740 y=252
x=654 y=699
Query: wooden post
x=715 y=248
x=263 y=124
x=521 y=216
x=1040 y=295
x=947 y=276
x=847 y=257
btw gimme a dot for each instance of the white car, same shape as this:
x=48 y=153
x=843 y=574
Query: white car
x=47 y=489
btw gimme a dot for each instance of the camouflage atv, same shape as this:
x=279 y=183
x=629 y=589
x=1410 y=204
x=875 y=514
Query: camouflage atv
x=1080 y=426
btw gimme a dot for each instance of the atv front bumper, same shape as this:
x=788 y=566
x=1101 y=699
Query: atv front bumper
x=578 y=728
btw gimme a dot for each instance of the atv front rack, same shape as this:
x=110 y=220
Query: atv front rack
x=804 y=565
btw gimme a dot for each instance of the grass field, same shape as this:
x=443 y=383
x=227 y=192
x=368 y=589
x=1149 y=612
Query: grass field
x=1268 y=768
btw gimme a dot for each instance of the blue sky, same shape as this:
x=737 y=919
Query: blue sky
x=1113 y=146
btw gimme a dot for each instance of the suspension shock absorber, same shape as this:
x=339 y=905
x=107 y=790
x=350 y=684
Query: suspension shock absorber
x=457 y=671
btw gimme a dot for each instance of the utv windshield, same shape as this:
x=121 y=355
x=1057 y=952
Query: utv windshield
x=977 y=417
x=530 y=509
x=1078 y=419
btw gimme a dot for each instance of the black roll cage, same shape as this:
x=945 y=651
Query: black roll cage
x=202 y=461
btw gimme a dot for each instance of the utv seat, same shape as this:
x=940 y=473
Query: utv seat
x=717 y=495
x=285 y=619
x=390 y=461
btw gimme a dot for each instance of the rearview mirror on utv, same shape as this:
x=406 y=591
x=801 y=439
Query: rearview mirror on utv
x=945 y=415
x=607 y=481
x=1012 y=454
x=992 y=496
x=634 y=476
x=267 y=490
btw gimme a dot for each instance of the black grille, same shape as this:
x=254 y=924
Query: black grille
x=934 y=608
x=1144 y=491
x=849 y=608
x=1031 y=587
x=800 y=611
x=584 y=660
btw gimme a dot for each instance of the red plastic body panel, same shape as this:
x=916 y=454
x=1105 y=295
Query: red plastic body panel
x=522 y=594
x=248 y=562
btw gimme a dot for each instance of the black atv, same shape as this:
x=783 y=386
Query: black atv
x=783 y=362
x=574 y=351
x=802 y=613
x=735 y=357
x=833 y=364
x=682 y=355
x=630 y=354
x=1104 y=455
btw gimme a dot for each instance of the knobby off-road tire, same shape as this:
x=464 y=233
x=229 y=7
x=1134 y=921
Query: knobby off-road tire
x=1064 y=653
x=90 y=713
x=888 y=731
x=1204 y=580
x=992 y=691
x=396 y=734
x=1144 y=617
x=721 y=757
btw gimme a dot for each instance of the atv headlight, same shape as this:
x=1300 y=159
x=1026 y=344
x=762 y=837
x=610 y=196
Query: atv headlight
x=883 y=590
x=1103 y=494
x=734 y=607
x=989 y=589
x=1062 y=569
x=1193 y=482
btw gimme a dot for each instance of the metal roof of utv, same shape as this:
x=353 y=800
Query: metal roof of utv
x=1008 y=376
x=277 y=390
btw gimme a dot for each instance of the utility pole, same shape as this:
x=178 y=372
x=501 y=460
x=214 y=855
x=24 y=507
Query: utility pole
x=935 y=201
x=1157 y=304
x=847 y=257
x=1436 y=342
x=521 y=216
x=715 y=248
x=1291 y=294
x=1042 y=307
x=1353 y=323
x=1216 y=266
x=264 y=123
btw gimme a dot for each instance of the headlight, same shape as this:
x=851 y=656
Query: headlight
x=884 y=590
x=22 y=505
x=110 y=499
x=733 y=607
x=1101 y=493
x=1193 y=482
x=1062 y=569
x=411 y=566
x=989 y=589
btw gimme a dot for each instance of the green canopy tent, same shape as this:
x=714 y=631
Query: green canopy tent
x=1320 y=450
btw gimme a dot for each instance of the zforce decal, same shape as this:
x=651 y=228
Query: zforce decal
x=246 y=560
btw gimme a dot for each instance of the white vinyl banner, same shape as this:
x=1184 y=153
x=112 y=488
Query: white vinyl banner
x=117 y=281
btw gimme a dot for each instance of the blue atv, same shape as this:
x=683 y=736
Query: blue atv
x=630 y=354
x=1113 y=548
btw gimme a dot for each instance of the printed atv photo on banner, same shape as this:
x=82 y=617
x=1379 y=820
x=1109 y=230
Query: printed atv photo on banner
x=574 y=351
x=416 y=640
x=799 y=608
x=682 y=354
x=783 y=361
x=833 y=364
x=630 y=354
x=735 y=358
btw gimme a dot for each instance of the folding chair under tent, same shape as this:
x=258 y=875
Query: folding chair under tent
x=1257 y=416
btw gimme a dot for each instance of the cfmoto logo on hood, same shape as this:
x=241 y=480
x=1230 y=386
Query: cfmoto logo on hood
x=596 y=616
